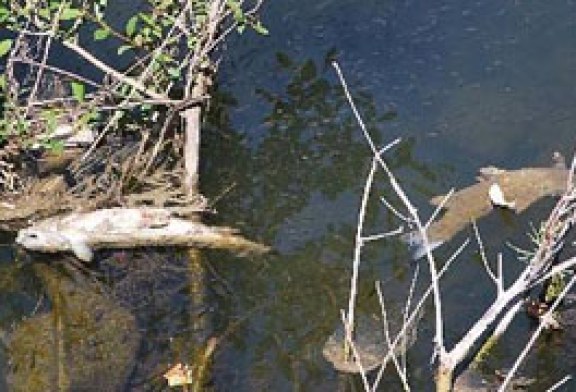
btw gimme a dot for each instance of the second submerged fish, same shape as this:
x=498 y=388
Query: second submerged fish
x=522 y=187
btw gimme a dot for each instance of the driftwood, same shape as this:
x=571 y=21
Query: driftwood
x=81 y=233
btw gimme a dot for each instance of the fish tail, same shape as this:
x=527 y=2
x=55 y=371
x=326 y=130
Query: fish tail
x=416 y=246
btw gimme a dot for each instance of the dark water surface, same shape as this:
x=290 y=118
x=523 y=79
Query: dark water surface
x=465 y=84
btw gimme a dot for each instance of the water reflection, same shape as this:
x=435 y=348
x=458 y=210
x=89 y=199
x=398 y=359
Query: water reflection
x=116 y=325
x=297 y=186
x=469 y=83
x=310 y=151
x=75 y=346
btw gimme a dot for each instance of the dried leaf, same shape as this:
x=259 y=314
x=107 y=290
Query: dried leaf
x=179 y=375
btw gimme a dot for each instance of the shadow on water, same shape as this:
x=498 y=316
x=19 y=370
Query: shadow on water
x=115 y=326
x=461 y=83
x=297 y=186
x=75 y=345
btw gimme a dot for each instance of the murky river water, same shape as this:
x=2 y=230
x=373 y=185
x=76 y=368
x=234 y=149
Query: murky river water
x=465 y=84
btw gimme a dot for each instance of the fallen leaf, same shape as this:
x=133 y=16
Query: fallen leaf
x=179 y=375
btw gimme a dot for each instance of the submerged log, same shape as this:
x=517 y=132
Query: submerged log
x=81 y=233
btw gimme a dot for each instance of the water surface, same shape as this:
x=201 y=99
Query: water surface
x=463 y=83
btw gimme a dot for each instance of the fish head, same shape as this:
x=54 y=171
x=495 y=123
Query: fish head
x=489 y=173
x=40 y=240
x=50 y=241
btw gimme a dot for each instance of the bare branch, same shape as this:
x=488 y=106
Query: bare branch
x=483 y=256
x=395 y=211
x=507 y=319
x=541 y=326
x=439 y=339
x=358 y=252
x=439 y=208
x=500 y=274
x=559 y=383
x=356 y=354
x=416 y=313
x=401 y=372
x=375 y=237
x=111 y=71
x=409 y=303
x=47 y=47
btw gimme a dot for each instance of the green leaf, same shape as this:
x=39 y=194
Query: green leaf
x=167 y=21
x=237 y=12
x=157 y=32
x=260 y=29
x=78 y=90
x=164 y=58
x=191 y=41
x=124 y=90
x=147 y=19
x=200 y=19
x=118 y=114
x=146 y=32
x=131 y=26
x=49 y=117
x=101 y=34
x=91 y=115
x=70 y=13
x=44 y=12
x=5 y=46
x=174 y=72
x=4 y=14
x=56 y=146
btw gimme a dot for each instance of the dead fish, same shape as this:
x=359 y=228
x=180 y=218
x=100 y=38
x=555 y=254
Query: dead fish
x=73 y=231
x=519 y=190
